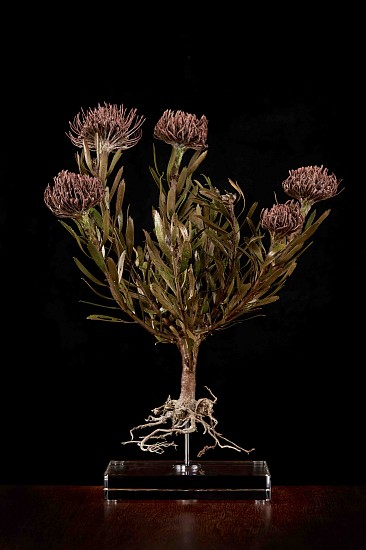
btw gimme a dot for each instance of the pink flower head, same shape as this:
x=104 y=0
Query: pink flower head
x=182 y=130
x=311 y=184
x=73 y=194
x=282 y=220
x=115 y=127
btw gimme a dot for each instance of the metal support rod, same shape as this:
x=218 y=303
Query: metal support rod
x=186 y=450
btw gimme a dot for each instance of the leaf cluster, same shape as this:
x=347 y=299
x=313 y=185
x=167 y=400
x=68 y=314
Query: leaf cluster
x=204 y=266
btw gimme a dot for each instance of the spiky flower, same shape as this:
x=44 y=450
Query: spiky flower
x=282 y=220
x=108 y=127
x=311 y=184
x=182 y=129
x=73 y=194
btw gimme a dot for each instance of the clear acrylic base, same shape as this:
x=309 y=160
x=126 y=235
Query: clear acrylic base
x=165 y=479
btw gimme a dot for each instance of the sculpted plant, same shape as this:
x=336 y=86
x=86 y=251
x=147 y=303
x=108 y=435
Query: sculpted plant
x=208 y=261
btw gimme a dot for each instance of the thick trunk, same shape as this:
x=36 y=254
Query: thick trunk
x=189 y=354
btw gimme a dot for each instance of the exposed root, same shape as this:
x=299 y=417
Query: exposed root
x=181 y=419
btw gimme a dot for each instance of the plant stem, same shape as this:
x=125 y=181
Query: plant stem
x=189 y=353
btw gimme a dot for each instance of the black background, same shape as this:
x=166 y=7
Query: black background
x=278 y=94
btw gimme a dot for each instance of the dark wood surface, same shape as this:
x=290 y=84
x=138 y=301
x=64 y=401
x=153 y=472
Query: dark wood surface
x=77 y=517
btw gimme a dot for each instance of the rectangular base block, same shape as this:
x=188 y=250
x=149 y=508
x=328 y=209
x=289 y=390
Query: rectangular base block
x=165 y=479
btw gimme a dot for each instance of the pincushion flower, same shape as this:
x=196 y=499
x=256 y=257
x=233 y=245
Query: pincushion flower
x=111 y=126
x=282 y=220
x=203 y=266
x=72 y=195
x=310 y=184
x=181 y=129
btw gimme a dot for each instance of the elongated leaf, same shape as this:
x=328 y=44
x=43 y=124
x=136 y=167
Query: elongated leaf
x=162 y=201
x=197 y=265
x=170 y=203
x=106 y=226
x=80 y=240
x=220 y=271
x=120 y=196
x=237 y=299
x=159 y=263
x=186 y=255
x=103 y=166
x=87 y=273
x=305 y=235
x=192 y=284
x=228 y=291
x=265 y=301
x=211 y=209
x=192 y=166
x=116 y=182
x=97 y=257
x=183 y=181
x=97 y=217
x=214 y=226
x=273 y=275
x=205 y=305
x=112 y=268
x=186 y=203
x=140 y=257
x=224 y=246
x=311 y=218
x=130 y=235
x=87 y=156
x=157 y=177
x=117 y=155
x=159 y=275
x=190 y=334
x=183 y=230
x=286 y=255
x=251 y=211
x=174 y=232
x=174 y=331
x=120 y=266
x=160 y=233
x=122 y=296
x=109 y=319
x=171 y=163
x=163 y=299
x=236 y=187
x=104 y=297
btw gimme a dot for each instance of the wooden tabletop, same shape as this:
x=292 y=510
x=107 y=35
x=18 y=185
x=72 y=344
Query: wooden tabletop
x=56 y=517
